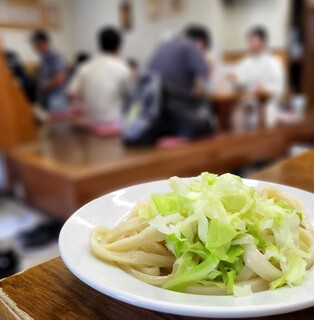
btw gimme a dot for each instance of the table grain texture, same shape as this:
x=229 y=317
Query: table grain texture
x=50 y=291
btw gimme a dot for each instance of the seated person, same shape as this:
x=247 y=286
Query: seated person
x=51 y=74
x=181 y=60
x=168 y=99
x=100 y=83
x=261 y=73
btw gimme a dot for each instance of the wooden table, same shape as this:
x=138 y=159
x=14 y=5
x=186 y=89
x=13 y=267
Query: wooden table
x=65 y=168
x=225 y=103
x=296 y=172
x=50 y=291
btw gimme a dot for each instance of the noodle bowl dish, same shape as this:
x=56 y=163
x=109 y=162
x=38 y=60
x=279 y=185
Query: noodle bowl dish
x=229 y=241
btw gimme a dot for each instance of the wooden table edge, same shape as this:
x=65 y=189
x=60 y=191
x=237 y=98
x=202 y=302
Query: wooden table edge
x=10 y=308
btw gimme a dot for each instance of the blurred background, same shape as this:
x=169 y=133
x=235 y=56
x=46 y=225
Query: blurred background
x=98 y=95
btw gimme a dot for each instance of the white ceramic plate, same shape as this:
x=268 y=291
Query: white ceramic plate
x=111 y=208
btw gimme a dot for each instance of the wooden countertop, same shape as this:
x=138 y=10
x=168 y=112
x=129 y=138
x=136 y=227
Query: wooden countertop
x=50 y=291
x=296 y=172
x=68 y=167
x=75 y=153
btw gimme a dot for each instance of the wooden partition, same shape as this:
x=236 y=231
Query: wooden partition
x=236 y=56
x=17 y=124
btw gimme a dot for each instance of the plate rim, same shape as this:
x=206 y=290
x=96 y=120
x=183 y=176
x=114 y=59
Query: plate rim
x=173 y=307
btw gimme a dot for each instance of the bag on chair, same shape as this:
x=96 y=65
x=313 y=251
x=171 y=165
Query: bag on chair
x=190 y=116
x=142 y=114
x=155 y=108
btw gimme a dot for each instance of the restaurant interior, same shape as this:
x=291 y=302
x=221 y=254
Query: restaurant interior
x=100 y=95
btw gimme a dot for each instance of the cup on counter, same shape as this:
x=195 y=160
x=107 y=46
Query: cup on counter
x=298 y=104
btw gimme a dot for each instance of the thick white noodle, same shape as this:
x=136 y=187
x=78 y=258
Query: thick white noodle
x=151 y=279
x=256 y=261
x=308 y=240
x=295 y=203
x=246 y=274
x=140 y=250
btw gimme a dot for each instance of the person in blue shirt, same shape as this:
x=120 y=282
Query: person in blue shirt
x=181 y=60
x=170 y=96
x=51 y=80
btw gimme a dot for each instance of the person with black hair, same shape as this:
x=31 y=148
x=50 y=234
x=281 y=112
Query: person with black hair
x=169 y=99
x=51 y=74
x=181 y=59
x=100 y=83
x=261 y=72
x=260 y=69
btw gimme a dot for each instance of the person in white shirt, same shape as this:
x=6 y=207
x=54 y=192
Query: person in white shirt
x=261 y=72
x=100 y=84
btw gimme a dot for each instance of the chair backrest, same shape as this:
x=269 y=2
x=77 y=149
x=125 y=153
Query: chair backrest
x=17 y=124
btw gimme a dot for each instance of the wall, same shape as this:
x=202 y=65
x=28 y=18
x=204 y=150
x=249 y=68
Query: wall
x=82 y=18
x=228 y=23
x=239 y=17
x=145 y=35
x=63 y=39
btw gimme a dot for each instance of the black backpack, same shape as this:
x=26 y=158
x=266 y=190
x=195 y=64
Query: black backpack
x=155 y=108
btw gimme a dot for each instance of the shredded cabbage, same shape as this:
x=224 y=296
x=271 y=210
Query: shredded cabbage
x=209 y=221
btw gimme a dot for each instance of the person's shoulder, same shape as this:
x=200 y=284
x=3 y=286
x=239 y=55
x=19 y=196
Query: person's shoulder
x=54 y=59
x=178 y=42
x=184 y=43
x=93 y=63
x=274 y=59
x=90 y=63
x=54 y=54
x=119 y=64
x=246 y=59
x=86 y=67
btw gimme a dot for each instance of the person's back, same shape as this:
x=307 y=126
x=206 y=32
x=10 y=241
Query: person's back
x=180 y=60
x=100 y=83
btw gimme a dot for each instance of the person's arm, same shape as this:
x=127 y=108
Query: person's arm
x=276 y=79
x=59 y=74
x=74 y=89
x=238 y=75
x=75 y=92
x=56 y=81
x=199 y=68
x=199 y=88
x=126 y=79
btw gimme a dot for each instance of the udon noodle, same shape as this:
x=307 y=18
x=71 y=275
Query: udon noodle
x=140 y=249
